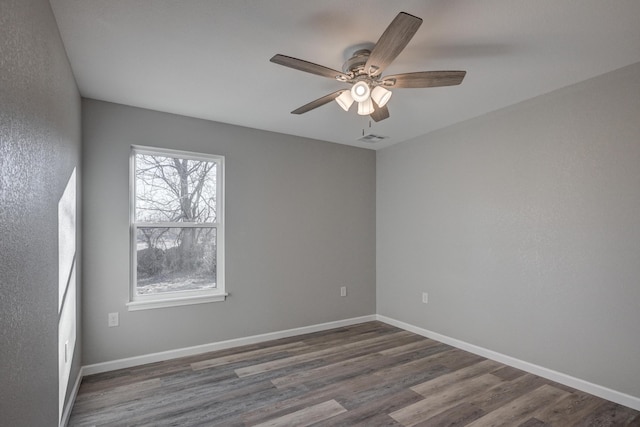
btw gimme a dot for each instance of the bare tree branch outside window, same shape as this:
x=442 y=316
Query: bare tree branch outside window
x=175 y=216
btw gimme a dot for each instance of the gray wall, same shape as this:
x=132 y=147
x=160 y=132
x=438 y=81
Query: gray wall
x=39 y=148
x=300 y=224
x=524 y=227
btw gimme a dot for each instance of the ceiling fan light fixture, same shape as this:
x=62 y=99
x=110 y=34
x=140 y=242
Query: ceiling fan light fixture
x=365 y=107
x=360 y=91
x=345 y=100
x=380 y=95
x=364 y=69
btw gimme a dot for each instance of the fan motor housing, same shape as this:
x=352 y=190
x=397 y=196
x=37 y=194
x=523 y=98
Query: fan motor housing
x=355 y=64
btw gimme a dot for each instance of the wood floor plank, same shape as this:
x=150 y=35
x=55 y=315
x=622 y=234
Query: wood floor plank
x=386 y=388
x=410 y=348
x=506 y=391
x=575 y=406
x=508 y=373
x=460 y=359
x=534 y=422
x=349 y=334
x=458 y=415
x=293 y=360
x=94 y=401
x=155 y=409
x=434 y=386
x=357 y=375
x=367 y=412
x=445 y=398
x=416 y=365
x=611 y=414
x=307 y=416
x=267 y=411
x=326 y=371
x=237 y=357
x=521 y=409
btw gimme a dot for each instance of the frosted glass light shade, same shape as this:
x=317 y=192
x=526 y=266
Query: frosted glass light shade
x=360 y=91
x=345 y=100
x=380 y=95
x=365 y=107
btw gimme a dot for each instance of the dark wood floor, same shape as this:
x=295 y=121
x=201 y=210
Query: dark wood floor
x=370 y=374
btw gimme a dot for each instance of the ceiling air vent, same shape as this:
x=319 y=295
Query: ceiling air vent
x=372 y=139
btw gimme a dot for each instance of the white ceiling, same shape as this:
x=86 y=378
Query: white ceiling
x=210 y=58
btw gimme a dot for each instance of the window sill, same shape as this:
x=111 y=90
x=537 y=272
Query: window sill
x=174 y=302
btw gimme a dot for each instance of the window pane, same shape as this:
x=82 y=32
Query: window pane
x=175 y=259
x=175 y=190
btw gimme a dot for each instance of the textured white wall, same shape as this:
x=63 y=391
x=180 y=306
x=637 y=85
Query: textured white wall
x=39 y=150
x=524 y=227
x=300 y=223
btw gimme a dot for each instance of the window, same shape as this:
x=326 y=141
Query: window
x=177 y=228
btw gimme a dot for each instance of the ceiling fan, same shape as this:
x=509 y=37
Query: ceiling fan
x=364 y=72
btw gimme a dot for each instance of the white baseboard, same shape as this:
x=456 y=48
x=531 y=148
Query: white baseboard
x=72 y=399
x=577 y=383
x=222 y=345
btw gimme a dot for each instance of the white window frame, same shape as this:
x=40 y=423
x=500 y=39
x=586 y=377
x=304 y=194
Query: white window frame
x=171 y=299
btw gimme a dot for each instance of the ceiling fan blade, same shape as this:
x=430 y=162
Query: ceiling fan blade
x=309 y=67
x=318 y=102
x=392 y=42
x=380 y=113
x=424 y=79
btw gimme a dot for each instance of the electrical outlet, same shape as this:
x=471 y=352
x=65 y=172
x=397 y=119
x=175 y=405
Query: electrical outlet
x=425 y=298
x=113 y=320
x=343 y=291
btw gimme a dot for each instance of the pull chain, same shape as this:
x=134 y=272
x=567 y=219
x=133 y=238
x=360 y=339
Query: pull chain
x=369 y=128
